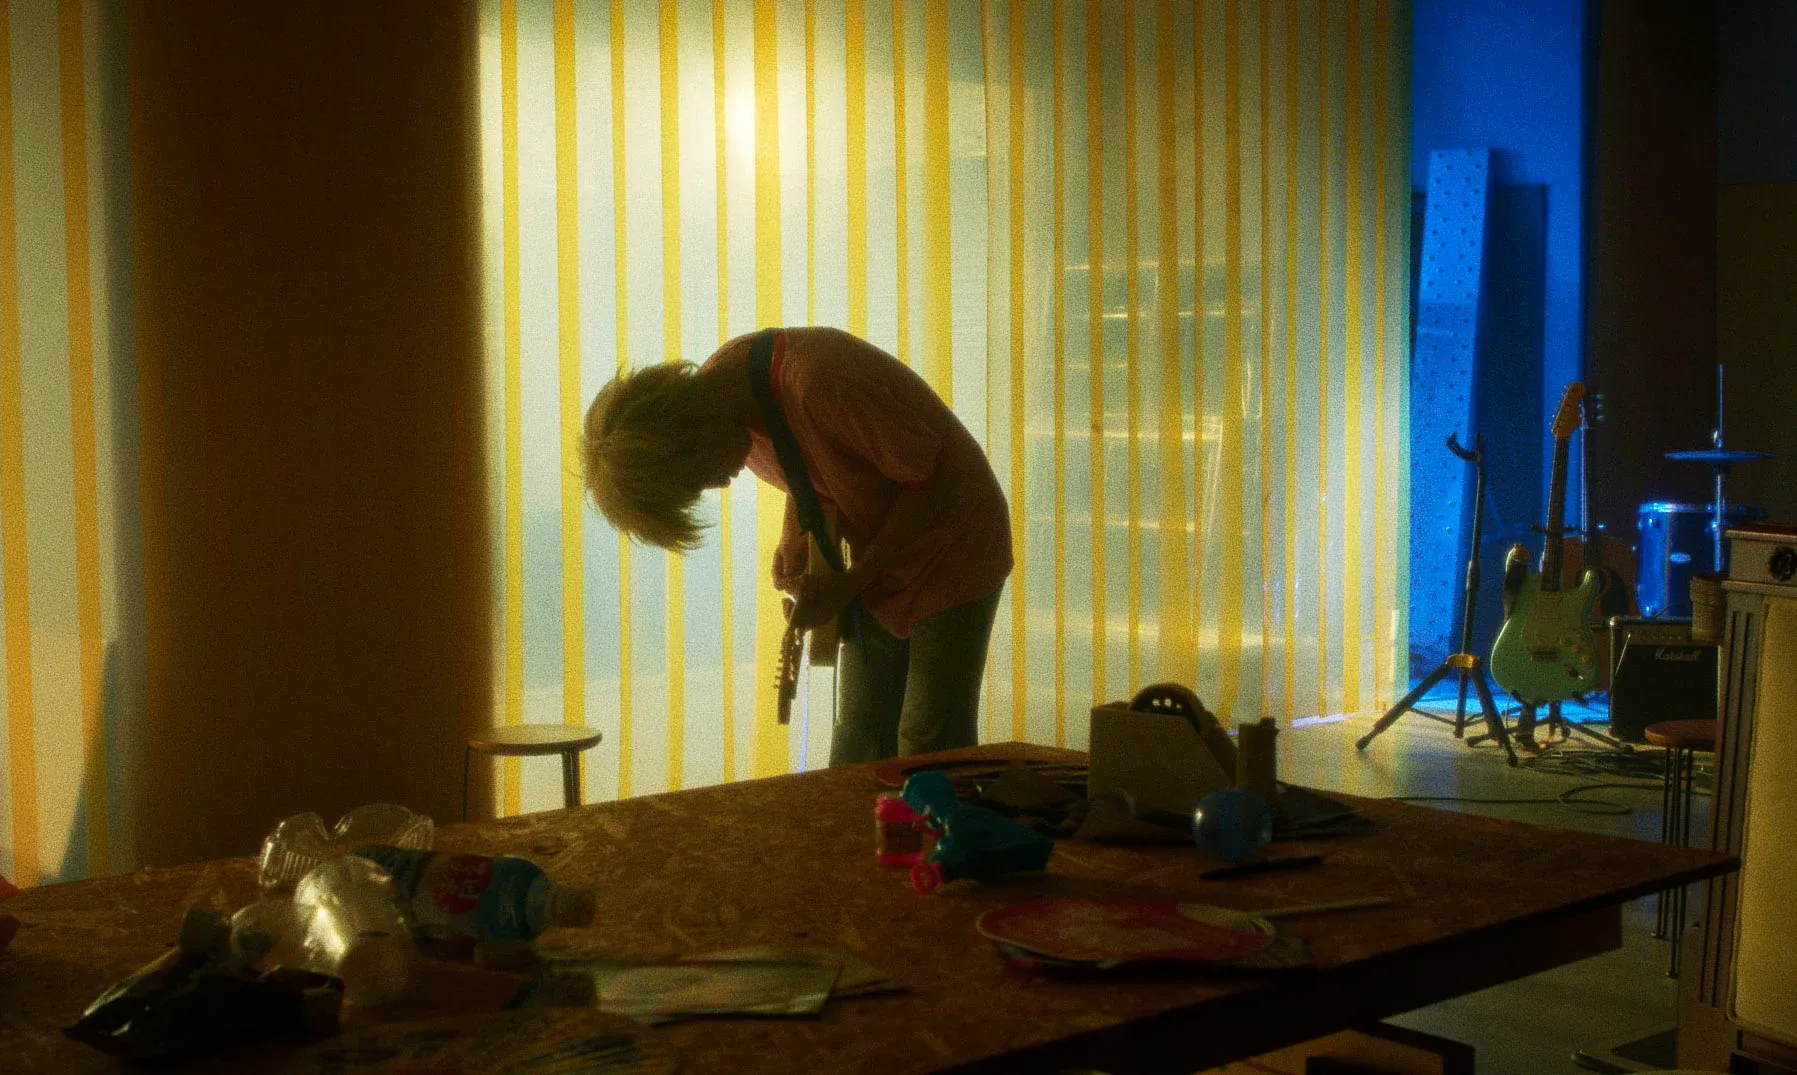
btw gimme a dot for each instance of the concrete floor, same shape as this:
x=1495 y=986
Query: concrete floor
x=1531 y=1026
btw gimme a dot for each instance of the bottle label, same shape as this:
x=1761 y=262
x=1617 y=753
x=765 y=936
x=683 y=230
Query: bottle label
x=451 y=886
x=452 y=895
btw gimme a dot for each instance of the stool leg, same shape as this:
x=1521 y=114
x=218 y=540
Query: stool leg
x=466 y=751
x=570 y=780
x=1678 y=787
x=1662 y=899
x=1687 y=774
x=1690 y=791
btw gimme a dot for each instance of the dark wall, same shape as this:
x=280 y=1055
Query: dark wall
x=1652 y=293
x=310 y=397
x=1756 y=92
x=1756 y=243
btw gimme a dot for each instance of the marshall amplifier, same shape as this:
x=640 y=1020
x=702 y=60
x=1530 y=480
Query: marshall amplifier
x=1658 y=673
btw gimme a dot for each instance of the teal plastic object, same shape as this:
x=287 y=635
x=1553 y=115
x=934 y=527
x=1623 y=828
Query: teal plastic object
x=973 y=841
x=1233 y=825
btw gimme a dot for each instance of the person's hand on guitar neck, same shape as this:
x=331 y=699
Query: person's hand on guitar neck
x=813 y=597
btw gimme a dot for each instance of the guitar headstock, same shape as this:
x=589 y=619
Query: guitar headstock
x=786 y=679
x=1566 y=419
x=1591 y=408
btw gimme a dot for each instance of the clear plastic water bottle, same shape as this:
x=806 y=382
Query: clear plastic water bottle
x=449 y=895
x=343 y=920
x=301 y=843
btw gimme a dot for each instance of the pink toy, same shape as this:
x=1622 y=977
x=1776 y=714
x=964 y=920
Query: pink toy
x=897 y=842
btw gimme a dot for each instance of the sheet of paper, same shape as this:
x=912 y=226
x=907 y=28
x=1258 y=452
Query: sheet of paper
x=858 y=977
x=724 y=988
x=658 y=992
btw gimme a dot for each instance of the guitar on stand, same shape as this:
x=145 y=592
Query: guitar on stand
x=1545 y=652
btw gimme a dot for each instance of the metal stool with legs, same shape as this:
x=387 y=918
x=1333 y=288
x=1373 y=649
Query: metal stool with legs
x=533 y=740
x=1682 y=740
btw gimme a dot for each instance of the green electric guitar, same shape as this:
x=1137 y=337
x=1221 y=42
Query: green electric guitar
x=1545 y=652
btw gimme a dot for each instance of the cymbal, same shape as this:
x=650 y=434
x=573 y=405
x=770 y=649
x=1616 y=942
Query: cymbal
x=1715 y=456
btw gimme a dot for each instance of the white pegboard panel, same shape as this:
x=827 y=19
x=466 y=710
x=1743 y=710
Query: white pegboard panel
x=1441 y=392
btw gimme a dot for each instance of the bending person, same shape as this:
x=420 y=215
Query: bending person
x=910 y=490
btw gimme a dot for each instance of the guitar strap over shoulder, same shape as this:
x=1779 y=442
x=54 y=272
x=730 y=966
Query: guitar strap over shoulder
x=786 y=447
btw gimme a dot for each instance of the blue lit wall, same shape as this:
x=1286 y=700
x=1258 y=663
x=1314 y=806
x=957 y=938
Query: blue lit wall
x=1511 y=76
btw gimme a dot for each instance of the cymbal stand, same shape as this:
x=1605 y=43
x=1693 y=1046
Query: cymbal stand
x=1464 y=663
x=1719 y=548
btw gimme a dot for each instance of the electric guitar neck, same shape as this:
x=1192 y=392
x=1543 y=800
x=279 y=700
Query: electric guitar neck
x=823 y=637
x=1553 y=547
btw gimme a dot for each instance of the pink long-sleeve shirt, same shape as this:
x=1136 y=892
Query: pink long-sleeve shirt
x=869 y=427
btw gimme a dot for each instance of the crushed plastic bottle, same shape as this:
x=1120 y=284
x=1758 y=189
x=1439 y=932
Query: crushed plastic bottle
x=343 y=920
x=267 y=933
x=301 y=843
x=451 y=895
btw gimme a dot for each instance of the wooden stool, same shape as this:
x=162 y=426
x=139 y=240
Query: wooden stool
x=1681 y=739
x=531 y=740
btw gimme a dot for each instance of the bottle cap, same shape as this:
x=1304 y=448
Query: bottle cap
x=570 y=905
x=890 y=807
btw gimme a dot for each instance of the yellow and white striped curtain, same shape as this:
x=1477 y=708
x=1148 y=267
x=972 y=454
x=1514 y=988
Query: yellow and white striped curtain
x=1154 y=253
x=69 y=588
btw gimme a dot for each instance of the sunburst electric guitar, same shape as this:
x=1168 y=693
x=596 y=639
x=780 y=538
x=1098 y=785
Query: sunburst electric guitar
x=823 y=637
x=1545 y=652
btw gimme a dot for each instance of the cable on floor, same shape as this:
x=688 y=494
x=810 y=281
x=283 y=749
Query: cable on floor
x=1573 y=798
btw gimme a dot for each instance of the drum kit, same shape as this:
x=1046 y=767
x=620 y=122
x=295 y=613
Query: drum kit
x=1677 y=541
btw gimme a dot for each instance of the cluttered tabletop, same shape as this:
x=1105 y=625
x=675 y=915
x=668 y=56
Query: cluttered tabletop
x=749 y=927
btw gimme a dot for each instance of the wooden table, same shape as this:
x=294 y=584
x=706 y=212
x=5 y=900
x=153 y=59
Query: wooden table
x=789 y=860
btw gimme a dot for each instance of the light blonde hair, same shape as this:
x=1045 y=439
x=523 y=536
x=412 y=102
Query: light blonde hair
x=643 y=453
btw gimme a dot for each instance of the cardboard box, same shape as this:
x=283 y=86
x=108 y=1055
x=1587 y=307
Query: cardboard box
x=1158 y=758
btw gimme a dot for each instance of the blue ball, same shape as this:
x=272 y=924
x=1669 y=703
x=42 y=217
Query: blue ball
x=1232 y=825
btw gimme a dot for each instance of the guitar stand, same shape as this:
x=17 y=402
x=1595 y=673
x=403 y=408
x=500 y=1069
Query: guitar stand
x=1462 y=663
x=1525 y=729
x=1468 y=667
